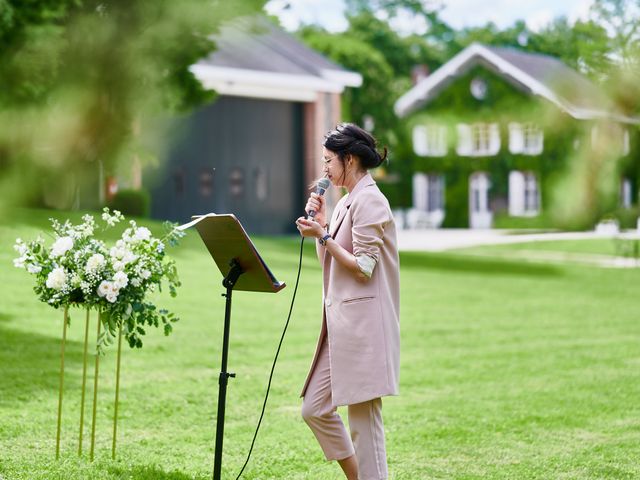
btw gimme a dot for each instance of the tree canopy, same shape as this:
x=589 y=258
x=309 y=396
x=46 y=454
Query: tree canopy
x=83 y=81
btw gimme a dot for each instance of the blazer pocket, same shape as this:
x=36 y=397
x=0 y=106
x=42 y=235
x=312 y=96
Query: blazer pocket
x=348 y=301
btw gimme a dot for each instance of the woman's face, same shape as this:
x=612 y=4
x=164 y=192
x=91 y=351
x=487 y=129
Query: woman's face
x=333 y=167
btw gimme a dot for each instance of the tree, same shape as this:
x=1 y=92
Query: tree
x=621 y=18
x=85 y=81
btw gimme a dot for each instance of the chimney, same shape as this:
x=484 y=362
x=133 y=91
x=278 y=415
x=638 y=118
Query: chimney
x=419 y=73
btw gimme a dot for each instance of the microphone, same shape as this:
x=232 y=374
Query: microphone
x=321 y=187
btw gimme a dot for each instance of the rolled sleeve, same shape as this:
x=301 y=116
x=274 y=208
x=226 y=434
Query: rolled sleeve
x=366 y=265
x=369 y=219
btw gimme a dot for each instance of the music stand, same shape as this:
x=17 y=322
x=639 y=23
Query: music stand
x=243 y=269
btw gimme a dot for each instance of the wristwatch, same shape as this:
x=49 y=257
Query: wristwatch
x=323 y=240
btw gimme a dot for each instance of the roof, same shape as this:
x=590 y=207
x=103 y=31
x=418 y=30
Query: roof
x=535 y=73
x=254 y=58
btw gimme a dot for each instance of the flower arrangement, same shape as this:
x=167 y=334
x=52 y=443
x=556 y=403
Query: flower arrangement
x=78 y=269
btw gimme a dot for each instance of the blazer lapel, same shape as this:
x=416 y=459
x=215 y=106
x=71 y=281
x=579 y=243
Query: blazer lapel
x=342 y=212
x=364 y=182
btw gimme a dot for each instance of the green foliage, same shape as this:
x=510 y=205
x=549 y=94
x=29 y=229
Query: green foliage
x=583 y=46
x=627 y=217
x=84 y=82
x=131 y=202
x=484 y=376
x=373 y=97
x=539 y=222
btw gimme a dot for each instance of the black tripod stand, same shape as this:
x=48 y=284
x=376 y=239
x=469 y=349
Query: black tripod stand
x=235 y=255
x=228 y=282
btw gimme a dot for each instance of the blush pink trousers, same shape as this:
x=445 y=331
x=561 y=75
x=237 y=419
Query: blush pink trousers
x=365 y=424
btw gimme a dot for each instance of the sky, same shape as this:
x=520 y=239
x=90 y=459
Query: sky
x=457 y=13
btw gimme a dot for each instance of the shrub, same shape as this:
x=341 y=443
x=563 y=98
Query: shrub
x=131 y=202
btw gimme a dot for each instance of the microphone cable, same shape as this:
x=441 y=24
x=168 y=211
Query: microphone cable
x=273 y=366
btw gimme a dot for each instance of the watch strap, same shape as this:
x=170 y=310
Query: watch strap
x=323 y=240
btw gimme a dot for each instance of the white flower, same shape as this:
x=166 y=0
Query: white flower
x=95 y=262
x=142 y=233
x=111 y=219
x=128 y=256
x=145 y=274
x=120 y=280
x=112 y=297
x=118 y=266
x=56 y=278
x=19 y=262
x=20 y=247
x=61 y=246
x=104 y=288
x=32 y=268
x=136 y=282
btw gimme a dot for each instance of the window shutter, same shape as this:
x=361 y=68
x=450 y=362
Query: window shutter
x=420 y=140
x=516 y=193
x=516 y=138
x=494 y=139
x=420 y=193
x=465 y=139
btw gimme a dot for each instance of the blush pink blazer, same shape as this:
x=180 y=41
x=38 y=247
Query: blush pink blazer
x=361 y=316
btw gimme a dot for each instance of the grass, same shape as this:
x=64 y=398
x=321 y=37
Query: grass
x=509 y=371
x=599 y=246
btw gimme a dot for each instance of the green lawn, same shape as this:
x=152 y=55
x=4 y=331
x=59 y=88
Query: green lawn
x=509 y=371
x=599 y=246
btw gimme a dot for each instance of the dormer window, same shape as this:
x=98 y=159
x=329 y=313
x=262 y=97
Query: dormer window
x=478 y=139
x=430 y=140
x=525 y=138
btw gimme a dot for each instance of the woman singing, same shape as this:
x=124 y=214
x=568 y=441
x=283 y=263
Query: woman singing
x=357 y=356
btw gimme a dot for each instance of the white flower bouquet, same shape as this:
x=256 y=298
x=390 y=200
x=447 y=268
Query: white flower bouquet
x=78 y=269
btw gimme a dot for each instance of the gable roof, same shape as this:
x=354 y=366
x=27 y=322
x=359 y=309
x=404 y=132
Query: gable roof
x=254 y=58
x=535 y=73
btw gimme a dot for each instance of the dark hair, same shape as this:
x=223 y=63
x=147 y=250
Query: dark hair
x=350 y=139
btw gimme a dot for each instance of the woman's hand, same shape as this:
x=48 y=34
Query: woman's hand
x=310 y=228
x=317 y=204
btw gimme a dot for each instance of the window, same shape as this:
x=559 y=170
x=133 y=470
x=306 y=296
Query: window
x=261 y=184
x=428 y=192
x=480 y=185
x=531 y=194
x=610 y=136
x=525 y=138
x=430 y=140
x=205 y=181
x=478 y=139
x=435 y=193
x=524 y=194
x=236 y=182
x=420 y=185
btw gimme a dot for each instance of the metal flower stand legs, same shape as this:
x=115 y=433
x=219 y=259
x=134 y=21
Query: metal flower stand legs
x=64 y=342
x=115 y=408
x=95 y=394
x=84 y=384
x=84 y=381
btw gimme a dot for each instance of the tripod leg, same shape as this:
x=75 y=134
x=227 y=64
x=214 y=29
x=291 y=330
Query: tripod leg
x=222 y=390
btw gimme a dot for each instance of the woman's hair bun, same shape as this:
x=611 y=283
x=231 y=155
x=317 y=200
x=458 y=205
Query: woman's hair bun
x=348 y=138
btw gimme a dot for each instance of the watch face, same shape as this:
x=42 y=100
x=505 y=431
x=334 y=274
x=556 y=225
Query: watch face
x=478 y=88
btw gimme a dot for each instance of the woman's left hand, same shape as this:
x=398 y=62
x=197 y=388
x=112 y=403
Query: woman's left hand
x=309 y=228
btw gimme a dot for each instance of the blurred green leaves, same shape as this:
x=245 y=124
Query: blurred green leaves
x=85 y=82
